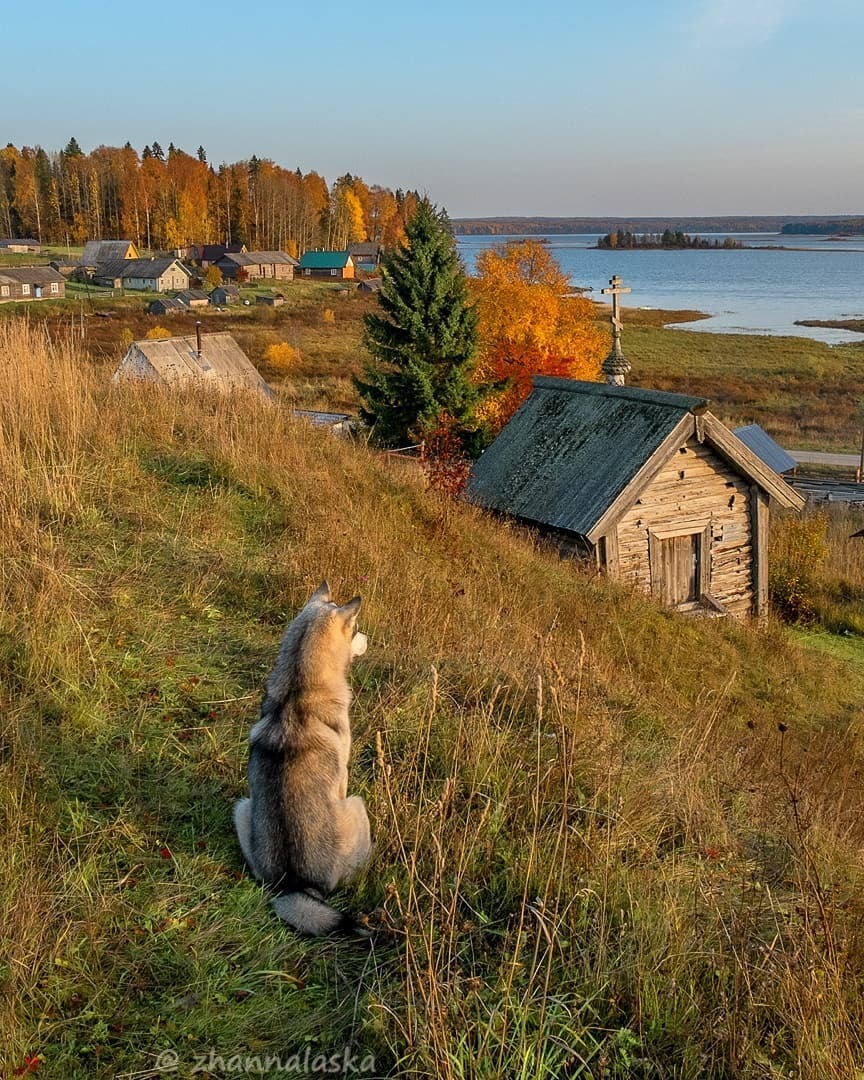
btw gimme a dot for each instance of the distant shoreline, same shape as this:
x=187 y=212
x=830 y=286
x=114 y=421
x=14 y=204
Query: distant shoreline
x=727 y=223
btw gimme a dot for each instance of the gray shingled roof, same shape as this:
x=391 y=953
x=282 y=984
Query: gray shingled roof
x=258 y=258
x=111 y=268
x=572 y=448
x=100 y=251
x=147 y=268
x=763 y=446
x=29 y=275
x=175 y=361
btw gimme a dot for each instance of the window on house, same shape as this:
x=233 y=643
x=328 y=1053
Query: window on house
x=4 y=290
x=55 y=287
x=25 y=290
x=307 y=272
x=333 y=273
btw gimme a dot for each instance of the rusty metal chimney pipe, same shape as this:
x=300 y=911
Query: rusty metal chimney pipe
x=198 y=336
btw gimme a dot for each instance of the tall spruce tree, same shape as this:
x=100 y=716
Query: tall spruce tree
x=423 y=340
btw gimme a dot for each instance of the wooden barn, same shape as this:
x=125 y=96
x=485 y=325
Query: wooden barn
x=258 y=265
x=213 y=360
x=648 y=484
x=23 y=245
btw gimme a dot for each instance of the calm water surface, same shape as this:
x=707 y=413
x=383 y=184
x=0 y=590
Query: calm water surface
x=762 y=290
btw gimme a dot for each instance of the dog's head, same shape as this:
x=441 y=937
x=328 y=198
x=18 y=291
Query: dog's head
x=337 y=623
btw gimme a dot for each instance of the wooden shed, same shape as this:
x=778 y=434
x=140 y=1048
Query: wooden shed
x=649 y=484
x=223 y=295
x=165 y=305
x=214 y=360
x=192 y=298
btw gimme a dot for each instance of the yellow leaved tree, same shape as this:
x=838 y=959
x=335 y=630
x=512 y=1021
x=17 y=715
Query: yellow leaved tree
x=530 y=323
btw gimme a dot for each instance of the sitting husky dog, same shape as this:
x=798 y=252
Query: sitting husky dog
x=299 y=833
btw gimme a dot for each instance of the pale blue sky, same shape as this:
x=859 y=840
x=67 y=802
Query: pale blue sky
x=544 y=107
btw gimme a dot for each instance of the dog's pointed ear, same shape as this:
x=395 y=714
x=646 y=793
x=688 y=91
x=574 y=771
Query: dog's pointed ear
x=322 y=592
x=349 y=611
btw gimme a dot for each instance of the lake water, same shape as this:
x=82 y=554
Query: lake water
x=761 y=290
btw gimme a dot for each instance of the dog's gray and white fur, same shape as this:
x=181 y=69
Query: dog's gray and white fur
x=300 y=833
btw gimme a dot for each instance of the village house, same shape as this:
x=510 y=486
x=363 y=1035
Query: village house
x=153 y=275
x=270 y=299
x=372 y=284
x=223 y=295
x=649 y=485
x=258 y=265
x=23 y=246
x=365 y=256
x=31 y=283
x=332 y=265
x=209 y=360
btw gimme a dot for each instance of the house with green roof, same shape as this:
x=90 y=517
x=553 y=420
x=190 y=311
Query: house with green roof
x=331 y=265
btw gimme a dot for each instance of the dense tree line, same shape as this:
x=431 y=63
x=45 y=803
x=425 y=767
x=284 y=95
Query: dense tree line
x=504 y=226
x=667 y=239
x=841 y=227
x=166 y=199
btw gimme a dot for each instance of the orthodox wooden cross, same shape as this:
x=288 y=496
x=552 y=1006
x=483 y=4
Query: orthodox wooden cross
x=615 y=367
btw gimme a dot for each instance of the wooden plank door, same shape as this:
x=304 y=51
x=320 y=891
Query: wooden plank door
x=675 y=569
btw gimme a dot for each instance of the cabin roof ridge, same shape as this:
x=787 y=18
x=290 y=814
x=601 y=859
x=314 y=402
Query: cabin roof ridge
x=685 y=402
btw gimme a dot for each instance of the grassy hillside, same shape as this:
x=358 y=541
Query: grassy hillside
x=610 y=842
x=805 y=393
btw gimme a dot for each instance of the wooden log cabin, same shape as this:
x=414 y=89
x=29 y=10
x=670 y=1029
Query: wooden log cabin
x=648 y=484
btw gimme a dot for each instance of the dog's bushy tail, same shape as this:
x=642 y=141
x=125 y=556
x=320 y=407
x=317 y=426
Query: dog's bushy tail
x=311 y=915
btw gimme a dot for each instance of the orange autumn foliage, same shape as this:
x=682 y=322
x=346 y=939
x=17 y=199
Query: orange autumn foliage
x=530 y=324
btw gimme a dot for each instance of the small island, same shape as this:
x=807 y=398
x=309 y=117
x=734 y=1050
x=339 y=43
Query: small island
x=669 y=239
x=853 y=325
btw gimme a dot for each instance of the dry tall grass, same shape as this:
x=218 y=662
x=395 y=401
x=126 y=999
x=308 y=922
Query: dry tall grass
x=817 y=567
x=609 y=842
